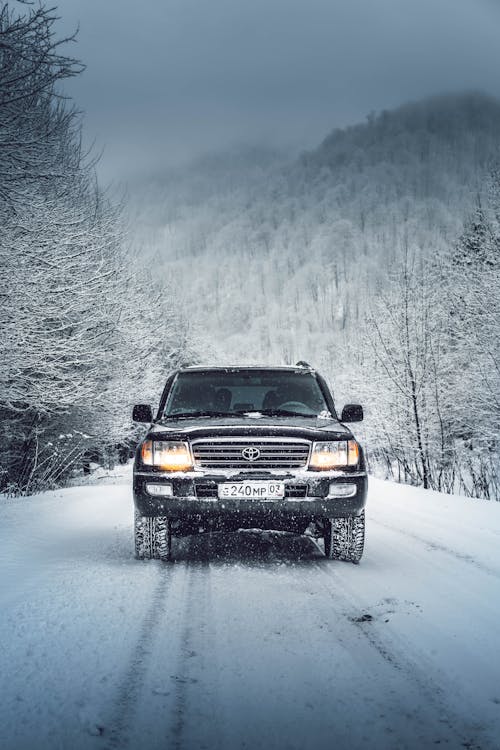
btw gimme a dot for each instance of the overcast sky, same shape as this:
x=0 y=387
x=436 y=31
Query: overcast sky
x=168 y=80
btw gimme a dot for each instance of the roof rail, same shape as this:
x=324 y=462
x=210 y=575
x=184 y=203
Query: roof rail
x=302 y=363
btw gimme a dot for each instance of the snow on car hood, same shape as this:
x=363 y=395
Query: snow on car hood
x=253 y=424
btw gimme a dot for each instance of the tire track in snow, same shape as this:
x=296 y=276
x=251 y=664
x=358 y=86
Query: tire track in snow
x=438 y=547
x=434 y=695
x=136 y=670
x=196 y=614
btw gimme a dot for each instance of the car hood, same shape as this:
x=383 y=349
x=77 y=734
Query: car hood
x=251 y=426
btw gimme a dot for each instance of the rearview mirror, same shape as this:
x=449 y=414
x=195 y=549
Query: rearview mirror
x=142 y=413
x=352 y=413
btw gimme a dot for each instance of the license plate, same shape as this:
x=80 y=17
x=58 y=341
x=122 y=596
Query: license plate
x=252 y=490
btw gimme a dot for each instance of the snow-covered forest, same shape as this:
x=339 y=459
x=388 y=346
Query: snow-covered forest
x=84 y=326
x=204 y=595
x=375 y=257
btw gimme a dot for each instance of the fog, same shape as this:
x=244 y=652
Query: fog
x=168 y=80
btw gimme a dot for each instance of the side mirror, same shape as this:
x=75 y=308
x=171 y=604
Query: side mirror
x=142 y=413
x=352 y=413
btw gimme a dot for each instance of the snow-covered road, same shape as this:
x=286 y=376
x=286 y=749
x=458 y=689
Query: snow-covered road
x=249 y=641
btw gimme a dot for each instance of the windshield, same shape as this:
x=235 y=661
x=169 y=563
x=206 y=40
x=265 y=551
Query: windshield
x=227 y=393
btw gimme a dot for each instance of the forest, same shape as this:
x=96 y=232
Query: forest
x=375 y=257
x=84 y=326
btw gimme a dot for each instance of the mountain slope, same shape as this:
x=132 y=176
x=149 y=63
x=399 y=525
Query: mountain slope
x=351 y=257
x=270 y=250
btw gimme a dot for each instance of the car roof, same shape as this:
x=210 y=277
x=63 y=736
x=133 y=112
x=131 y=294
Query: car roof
x=232 y=368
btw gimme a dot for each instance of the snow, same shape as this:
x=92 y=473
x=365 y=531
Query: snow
x=248 y=640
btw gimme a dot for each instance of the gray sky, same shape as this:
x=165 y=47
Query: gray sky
x=167 y=80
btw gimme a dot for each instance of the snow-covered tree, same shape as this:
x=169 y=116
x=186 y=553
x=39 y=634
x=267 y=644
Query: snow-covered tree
x=473 y=295
x=81 y=320
x=286 y=263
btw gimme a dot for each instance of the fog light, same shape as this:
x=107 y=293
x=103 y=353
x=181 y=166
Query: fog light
x=160 y=490
x=342 y=490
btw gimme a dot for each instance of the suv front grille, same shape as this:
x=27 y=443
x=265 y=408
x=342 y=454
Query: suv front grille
x=209 y=489
x=251 y=454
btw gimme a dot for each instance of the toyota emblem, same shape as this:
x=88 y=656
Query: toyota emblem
x=250 y=454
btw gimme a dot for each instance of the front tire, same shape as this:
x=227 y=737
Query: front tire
x=153 y=537
x=345 y=538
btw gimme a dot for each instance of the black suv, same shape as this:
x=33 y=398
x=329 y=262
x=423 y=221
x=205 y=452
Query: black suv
x=249 y=447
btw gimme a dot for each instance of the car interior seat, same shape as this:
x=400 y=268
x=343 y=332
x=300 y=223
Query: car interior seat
x=270 y=400
x=194 y=398
x=222 y=399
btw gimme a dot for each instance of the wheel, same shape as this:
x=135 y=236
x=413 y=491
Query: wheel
x=345 y=538
x=153 y=537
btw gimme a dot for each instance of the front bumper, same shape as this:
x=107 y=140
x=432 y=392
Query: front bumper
x=308 y=494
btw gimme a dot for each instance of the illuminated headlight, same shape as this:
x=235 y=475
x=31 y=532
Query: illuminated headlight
x=166 y=455
x=334 y=455
x=160 y=490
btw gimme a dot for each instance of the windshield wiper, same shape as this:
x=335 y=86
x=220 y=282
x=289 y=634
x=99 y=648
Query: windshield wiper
x=205 y=413
x=242 y=413
x=285 y=413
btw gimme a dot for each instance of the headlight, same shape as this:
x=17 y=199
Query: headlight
x=166 y=455
x=334 y=455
